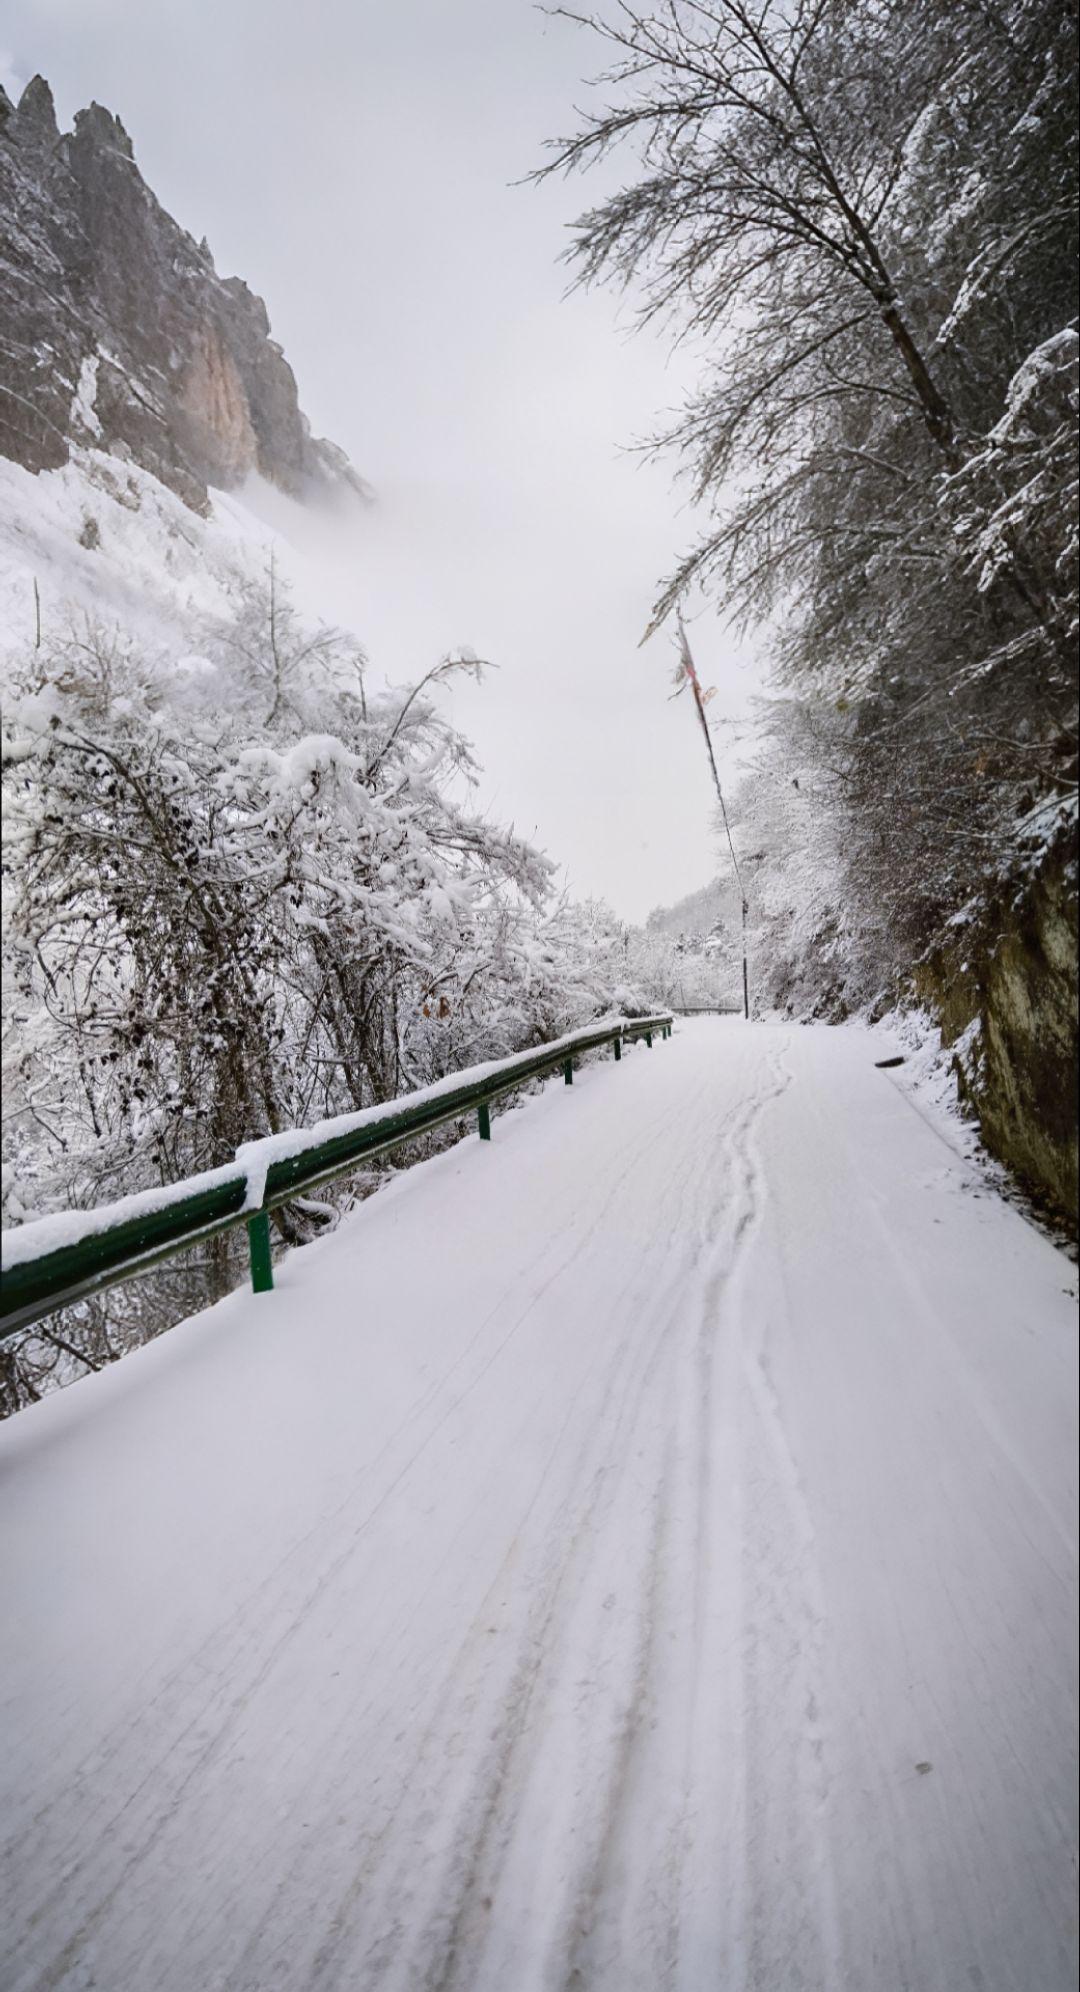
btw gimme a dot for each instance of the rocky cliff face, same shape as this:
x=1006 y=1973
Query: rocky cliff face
x=1005 y=994
x=118 y=331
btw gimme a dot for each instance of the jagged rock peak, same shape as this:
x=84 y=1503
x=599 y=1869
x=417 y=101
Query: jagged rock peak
x=115 y=328
x=36 y=114
x=100 y=127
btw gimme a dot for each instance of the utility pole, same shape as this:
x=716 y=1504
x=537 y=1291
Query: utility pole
x=688 y=676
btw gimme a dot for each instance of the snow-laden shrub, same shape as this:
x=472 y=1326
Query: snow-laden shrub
x=245 y=892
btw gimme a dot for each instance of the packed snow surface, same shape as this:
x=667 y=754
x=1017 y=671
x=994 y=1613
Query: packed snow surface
x=636 y=1553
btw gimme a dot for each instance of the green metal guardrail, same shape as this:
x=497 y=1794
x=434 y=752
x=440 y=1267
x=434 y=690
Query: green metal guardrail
x=37 y=1284
x=708 y=1009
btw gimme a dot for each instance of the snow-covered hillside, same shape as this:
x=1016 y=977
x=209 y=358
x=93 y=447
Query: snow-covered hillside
x=140 y=392
x=107 y=540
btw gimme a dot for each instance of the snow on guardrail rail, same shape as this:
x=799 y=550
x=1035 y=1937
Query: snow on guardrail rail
x=51 y=1261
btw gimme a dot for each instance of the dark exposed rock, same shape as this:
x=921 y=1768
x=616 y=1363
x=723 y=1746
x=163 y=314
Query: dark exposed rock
x=1005 y=994
x=117 y=330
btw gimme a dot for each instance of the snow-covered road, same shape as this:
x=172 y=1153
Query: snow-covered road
x=635 y=1554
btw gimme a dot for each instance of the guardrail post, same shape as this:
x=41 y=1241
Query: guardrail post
x=618 y=1047
x=262 y=1271
x=568 y=1072
x=648 y=1039
x=483 y=1121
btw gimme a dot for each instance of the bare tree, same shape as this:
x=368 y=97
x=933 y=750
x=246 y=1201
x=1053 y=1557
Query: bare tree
x=862 y=215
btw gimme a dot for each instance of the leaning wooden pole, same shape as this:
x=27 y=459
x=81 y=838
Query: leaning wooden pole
x=689 y=676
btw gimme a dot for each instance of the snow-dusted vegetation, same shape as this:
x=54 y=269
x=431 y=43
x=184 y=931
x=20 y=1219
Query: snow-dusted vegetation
x=865 y=217
x=248 y=890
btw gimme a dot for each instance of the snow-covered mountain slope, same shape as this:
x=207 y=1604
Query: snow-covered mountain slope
x=140 y=396
x=699 y=912
x=107 y=540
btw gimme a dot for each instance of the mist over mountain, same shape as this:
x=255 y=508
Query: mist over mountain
x=699 y=913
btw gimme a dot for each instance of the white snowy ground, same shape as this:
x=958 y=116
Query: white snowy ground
x=156 y=570
x=636 y=1554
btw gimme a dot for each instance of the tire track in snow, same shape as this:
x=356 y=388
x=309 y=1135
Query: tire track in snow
x=605 y=1885
x=792 y=1932
x=185 y=1762
x=241 y=1655
x=621 y=1922
x=553 y=1579
x=632 y=1931
x=711 y=1864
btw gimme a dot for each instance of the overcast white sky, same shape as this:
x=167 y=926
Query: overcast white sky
x=354 y=161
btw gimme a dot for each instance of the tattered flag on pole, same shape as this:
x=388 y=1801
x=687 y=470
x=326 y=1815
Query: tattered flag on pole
x=685 y=674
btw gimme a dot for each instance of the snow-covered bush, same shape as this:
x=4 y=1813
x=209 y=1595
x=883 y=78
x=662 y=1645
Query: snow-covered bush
x=245 y=892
